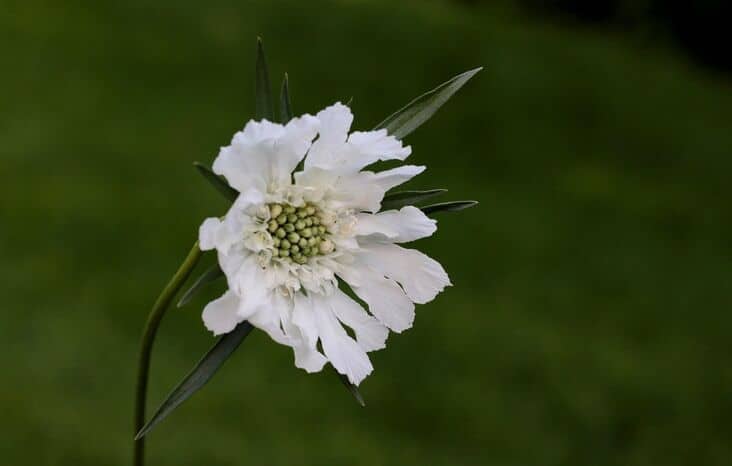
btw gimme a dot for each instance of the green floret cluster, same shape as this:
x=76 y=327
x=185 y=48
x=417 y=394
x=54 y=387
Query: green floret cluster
x=297 y=232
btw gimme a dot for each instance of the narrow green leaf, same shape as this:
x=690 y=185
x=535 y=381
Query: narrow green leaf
x=201 y=373
x=400 y=199
x=453 y=206
x=217 y=181
x=351 y=388
x=210 y=275
x=263 y=96
x=285 y=104
x=411 y=116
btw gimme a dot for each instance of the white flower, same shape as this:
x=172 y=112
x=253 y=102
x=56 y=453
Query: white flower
x=288 y=239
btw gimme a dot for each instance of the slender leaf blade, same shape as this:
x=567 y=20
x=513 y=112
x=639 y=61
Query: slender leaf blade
x=411 y=116
x=218 y=182
x=263 y=95
x=201 y=373
x=351 y=388
x=212 y=274
x=285 y=104
x=399 y=199
x=453 y=206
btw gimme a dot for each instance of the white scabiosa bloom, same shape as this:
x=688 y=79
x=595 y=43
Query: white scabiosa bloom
x=288 y=239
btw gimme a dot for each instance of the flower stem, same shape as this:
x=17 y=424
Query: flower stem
x=151 y=328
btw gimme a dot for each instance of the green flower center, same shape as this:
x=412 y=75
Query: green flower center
x=297 y=232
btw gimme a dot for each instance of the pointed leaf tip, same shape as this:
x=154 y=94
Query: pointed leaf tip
x=351 y=388
x=218 y=182
x=263 y=90
x=452 y=206
x=285 y=103
x=212 y=274
x=201 y=373
x=399 y=199
x=415 y=113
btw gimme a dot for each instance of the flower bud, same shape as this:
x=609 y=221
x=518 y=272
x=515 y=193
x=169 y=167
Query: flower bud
x=326 y=246
x=275 y=210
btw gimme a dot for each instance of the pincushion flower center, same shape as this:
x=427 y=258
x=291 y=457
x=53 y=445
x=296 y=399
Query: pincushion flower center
x=298 y=233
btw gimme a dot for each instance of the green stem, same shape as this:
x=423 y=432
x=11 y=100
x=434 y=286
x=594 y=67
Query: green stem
x=151 y=328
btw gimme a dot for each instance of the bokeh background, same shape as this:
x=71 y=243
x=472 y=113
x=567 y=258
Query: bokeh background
x=590 y=319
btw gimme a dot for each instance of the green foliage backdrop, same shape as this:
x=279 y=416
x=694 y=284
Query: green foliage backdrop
x=589 y=323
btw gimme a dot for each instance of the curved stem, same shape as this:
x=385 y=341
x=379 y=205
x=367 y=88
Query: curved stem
x=151 y=328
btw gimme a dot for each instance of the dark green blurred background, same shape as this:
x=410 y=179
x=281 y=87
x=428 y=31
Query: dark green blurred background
x=590 y=318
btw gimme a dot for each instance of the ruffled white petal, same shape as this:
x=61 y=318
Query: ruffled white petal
x=270 y=319
x=335 y=150
x=399 y=226
x=372 y=146
x=208 y=233
x=297 y=139
x=388 y=179
x=421 y=276
x=326 y=151
x=370 y=333
x=248 y=280
x=220 y=315
x=356 y=191
x=304 y=332
x=265 y=153
x=385 y=298
x=342 y=351
x=302 y=318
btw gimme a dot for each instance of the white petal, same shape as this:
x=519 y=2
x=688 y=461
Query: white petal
x=335 y=121
x=308 y=358
x=370 y=333
x=270 y=318
x=359 y=191
x=385 y=298
x=265 y=153
x=207 y=233
x=248 y=198
x=400 y=226
x=220 y=315
x=248 y=280
x=302 y=329
x=292 y=147
x=342 y=351
x=376 y=145
x=298 y=137
x=221 y=234
x=421 y=276
x=388 y=179
x=303 y=318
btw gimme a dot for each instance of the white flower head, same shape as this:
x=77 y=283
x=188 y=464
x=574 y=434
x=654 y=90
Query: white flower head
x=289 y=238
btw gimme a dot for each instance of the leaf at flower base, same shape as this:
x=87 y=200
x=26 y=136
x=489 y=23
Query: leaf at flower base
x=285 y=104
x=218 y=182
x=210 y=275
x=453 y=206
x=201 y=373
x=351 y=388
x=399 y=199
x=263 y=96
x=411 y=116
